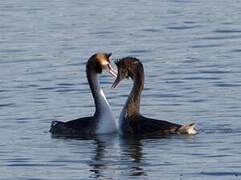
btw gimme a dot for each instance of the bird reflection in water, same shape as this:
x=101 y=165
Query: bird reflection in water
x=100 y=163
x=132 y=146
x=103 y=167
x=99 y=166
x=110 y=158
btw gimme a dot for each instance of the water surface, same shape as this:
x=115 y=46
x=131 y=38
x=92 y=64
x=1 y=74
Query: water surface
x=191 y=53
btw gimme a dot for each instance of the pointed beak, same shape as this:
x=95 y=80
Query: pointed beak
x=112 y=71
x=116 y=82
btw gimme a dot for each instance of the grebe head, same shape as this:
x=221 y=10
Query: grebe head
x=101 y=61
x=127 y=67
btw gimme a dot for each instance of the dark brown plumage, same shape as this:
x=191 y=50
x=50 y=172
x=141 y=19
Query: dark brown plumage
x=103 y=119
x=131 y=121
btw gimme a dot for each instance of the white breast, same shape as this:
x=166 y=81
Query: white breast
x=107 y=122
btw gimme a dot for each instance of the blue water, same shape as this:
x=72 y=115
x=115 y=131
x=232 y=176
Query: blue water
x=191 y=51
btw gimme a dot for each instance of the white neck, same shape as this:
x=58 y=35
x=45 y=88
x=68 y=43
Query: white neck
x=104 y=115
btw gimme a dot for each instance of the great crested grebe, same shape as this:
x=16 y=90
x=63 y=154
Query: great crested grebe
x=103 y=120
x=131 y=121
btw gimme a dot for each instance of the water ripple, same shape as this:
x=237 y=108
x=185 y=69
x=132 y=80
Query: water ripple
x=191 y=54
x=218 y=174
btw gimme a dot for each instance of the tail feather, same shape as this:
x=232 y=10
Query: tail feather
x=188 y=129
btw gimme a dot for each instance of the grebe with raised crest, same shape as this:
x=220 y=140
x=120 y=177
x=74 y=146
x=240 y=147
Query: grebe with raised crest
x=131 y=121
x=103 y=120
